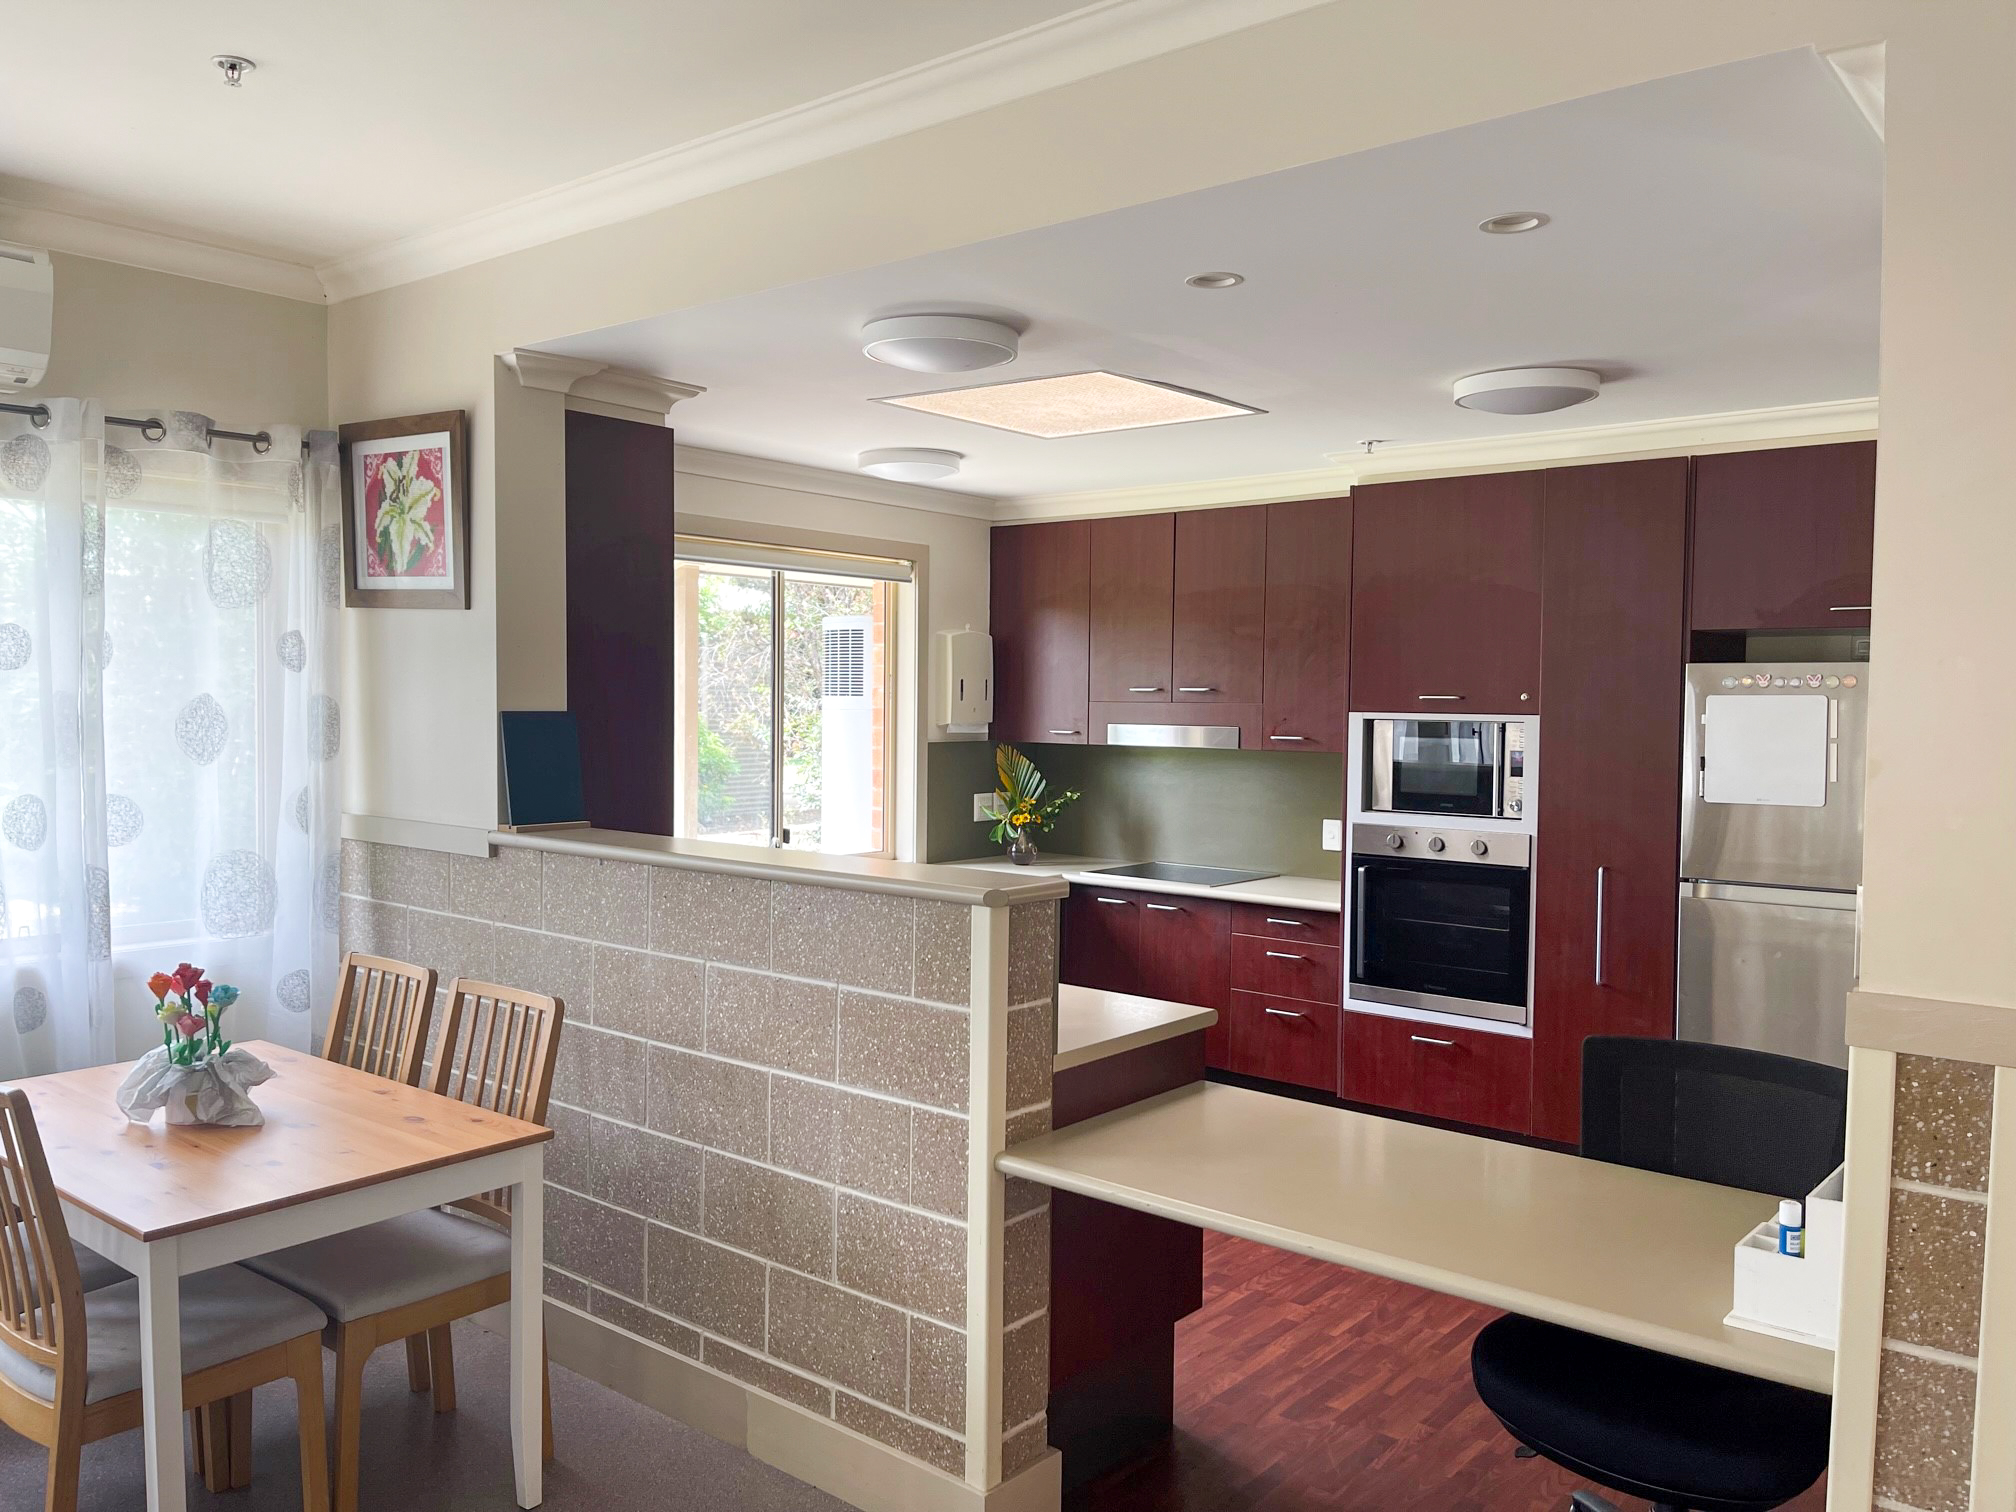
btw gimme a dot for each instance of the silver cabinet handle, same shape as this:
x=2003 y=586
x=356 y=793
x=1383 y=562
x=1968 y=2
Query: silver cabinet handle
x=1292 y=923
x=1284 y=1013
x=1851 y=608
x=1286 y=955
x=1423 y=1039
x=1196 y=690
x=1144 y=690
x=1064 y=732
x=1123 y=902
x=1602 y=878
x=1439 y=697
x=1287 y=737
x=1163 y=907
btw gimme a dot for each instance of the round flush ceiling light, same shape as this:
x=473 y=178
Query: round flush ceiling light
x=910 y=464
x=939 y=343
x=1527 y=391
x=1215 y=280
x=1512 y=222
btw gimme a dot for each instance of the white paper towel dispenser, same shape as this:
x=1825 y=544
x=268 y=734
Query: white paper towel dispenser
x=965 y=703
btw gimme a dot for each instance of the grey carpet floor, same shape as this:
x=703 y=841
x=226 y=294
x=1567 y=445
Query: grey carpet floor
x=614 y=1456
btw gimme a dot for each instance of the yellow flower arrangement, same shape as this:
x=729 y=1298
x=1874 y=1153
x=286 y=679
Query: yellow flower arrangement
x=1020 y=803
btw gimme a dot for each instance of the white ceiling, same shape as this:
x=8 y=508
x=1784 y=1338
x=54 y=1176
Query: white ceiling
x=377 y=119
x=1714 y=248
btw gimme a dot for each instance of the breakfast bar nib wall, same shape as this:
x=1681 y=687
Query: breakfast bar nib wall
x=777 y=1106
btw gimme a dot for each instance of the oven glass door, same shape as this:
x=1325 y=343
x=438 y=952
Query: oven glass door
x=1441 y=929
x=1436 y=766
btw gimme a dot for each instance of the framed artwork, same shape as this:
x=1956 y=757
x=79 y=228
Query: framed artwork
x=406 y=512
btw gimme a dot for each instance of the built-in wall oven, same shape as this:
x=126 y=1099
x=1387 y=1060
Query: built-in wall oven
x=1461 y=768
x=1441 y=920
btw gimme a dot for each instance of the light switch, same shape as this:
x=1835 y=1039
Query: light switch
x=1333 y=834
x=983 y=807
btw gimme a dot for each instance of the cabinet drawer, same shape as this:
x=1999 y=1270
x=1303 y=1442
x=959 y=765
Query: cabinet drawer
x=1309 y=926
x=1284 y=1040
x=1285 y=968
x=1463 y=1076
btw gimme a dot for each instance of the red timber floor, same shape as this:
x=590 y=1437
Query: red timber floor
x=1302 y=1385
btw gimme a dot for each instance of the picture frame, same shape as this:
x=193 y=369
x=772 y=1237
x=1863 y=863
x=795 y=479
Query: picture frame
x=406 y=512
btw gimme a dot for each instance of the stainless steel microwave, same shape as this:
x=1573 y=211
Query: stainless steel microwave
x=1473 y=768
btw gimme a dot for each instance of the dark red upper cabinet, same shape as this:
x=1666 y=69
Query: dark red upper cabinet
x=1783 y=539
x=1308 y=641
x=1220 y=605
x=1613 y=651
x=1133 y=607
x=1445 y=595
x=1040 y=600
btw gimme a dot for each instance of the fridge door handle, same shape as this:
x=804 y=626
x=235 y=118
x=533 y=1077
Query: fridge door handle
x=1602 y=879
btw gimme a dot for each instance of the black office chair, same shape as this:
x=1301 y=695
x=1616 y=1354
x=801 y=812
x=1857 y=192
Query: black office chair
x=1677 y=1433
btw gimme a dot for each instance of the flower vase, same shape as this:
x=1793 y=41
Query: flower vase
x=1021 y=847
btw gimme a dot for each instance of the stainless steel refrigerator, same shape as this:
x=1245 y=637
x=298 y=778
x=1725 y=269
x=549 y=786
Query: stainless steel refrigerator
x=1771 y=854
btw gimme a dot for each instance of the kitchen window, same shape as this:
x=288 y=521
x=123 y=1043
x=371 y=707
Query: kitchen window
x=785 y=697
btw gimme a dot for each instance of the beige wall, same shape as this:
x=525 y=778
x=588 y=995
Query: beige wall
x=140 y=340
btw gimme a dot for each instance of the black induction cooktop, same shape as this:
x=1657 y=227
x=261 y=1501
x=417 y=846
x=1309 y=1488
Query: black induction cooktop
x=1196 y=876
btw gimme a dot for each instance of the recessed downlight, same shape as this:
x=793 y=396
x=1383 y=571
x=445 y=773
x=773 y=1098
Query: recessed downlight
x=939 y=343
x=1215 y=280
x=910 y=464
x=1512 y=222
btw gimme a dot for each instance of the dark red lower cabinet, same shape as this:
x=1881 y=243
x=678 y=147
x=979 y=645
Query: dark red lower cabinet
x=1284 y=1040
x=1460 y=1075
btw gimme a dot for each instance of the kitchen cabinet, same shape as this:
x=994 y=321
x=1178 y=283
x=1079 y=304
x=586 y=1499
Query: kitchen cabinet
x=1133 y=596
x=1613 y=653
x=1041 y=596
x=1306 y=662
x=1783 y=539
x=1468 y=1076
x=1286 y=968
x=1102 y=940
x=1183 y=950
x=1284 y=1039
x=1445 y=596
x=1220 y=606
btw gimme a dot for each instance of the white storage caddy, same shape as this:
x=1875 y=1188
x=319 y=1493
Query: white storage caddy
x=1793 y=1298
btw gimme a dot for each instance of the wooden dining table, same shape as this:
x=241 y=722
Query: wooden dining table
x=339 y=1149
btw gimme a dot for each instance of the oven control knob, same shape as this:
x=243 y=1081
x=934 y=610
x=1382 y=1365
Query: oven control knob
x=1437 y=843
x=1479 y=848
x=1394 y=841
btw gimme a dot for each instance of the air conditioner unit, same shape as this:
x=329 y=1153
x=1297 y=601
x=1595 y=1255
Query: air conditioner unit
x=27 y=314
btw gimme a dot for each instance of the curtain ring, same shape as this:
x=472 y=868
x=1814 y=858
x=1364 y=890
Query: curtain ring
x=39 y=417
x=262 y=443
x=153 y=430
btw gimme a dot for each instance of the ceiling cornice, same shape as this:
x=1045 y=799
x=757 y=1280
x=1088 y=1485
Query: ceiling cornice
x=585 y=378
x=1861 y=72
x=1688 y=436
x=1095 y=39
x=81 y=236
x=735 y=467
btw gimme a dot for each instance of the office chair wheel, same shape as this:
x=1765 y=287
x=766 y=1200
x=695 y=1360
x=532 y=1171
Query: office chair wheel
x=1590 y=1501
x=1525 y=1452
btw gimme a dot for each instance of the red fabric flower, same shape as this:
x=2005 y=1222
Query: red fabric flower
x=191 y=1024
x=202 y=992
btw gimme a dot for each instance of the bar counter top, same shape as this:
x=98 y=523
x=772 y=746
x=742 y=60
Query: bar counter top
x=1624 y=1253
x=1093 y=1024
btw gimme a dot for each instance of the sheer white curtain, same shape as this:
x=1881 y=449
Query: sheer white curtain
x=172 y=729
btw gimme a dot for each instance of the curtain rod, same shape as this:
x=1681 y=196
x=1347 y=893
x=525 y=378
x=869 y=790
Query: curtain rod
x=151 y=428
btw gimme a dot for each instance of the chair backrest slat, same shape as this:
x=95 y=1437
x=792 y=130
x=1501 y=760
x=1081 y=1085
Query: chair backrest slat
x=497 y=1050
x=379 y=1025
x=41 y=1297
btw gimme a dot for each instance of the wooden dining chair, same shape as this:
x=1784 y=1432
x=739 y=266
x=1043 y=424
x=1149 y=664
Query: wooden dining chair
x=70 y=1359
x=414 y=1276
x=379 y=1023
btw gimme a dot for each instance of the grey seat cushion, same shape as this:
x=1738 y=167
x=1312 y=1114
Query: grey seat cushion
x=227 y=1313
x=94 y=1270
x=406 y=1259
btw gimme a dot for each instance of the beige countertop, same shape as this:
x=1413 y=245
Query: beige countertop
x=945 y=884
x=1093 y=1024
x=1628 y=1254
x=1277 y=892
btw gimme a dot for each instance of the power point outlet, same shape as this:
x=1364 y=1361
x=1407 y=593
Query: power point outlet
x=1333 y=834
x=983 y=807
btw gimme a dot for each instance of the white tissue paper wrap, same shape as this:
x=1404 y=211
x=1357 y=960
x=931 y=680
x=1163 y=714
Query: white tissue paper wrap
x=213 y=1091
